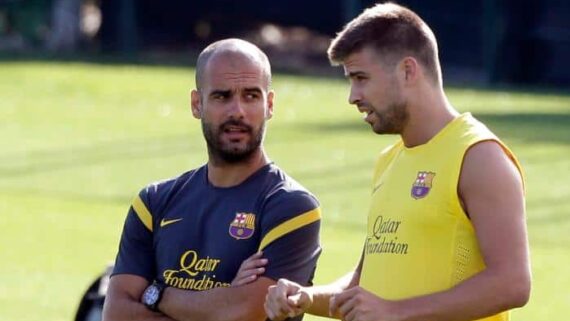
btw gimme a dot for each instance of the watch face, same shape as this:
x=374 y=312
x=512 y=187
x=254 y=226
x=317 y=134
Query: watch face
x=150 y=295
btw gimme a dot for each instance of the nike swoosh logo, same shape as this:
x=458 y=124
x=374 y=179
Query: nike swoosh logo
x=165 y=222
x=377 y=187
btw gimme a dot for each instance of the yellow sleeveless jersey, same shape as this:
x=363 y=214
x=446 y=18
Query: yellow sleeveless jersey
x=419 y=239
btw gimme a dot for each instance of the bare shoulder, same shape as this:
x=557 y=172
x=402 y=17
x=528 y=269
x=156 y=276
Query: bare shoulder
x=488 y=166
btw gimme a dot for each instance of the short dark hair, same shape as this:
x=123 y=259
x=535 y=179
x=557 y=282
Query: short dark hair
x=231 y=45
x=394 y=32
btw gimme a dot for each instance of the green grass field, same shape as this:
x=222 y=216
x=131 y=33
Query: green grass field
x=78 y=141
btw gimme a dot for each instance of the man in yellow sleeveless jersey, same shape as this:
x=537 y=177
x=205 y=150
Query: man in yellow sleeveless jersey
x=446 y=236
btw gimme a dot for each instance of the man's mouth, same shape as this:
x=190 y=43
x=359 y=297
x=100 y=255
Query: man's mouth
x=235 y=131
x=367 y=112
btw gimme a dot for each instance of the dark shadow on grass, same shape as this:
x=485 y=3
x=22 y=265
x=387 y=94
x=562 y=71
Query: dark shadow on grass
x=29 y=163
x=553 y=219
x=522 y=127
x=325 y=172
x=180 y=60
x=79 y=195
x=555 y=207
x=530 y=127
x=314 y=67
x=24 y=164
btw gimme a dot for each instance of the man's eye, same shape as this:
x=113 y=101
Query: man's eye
x=252 y=96
x=220 y=97
x=357 y=79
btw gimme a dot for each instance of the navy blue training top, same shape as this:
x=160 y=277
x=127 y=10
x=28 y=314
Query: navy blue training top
x=191 y=235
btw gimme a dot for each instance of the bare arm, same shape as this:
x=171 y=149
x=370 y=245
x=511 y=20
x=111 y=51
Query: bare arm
x=122 y=302
x=124 y=293
x=289 y=299
x=322 y=295
x=234 y=303
x=492 y=193
x=491 y=189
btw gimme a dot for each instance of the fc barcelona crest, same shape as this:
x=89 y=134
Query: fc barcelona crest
x=243 y=226
x=422 y=184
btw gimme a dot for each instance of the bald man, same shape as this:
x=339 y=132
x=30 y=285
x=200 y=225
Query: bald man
x=185 y=238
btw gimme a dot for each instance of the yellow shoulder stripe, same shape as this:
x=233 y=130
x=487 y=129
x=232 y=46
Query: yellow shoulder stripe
x=142 y=212
x=290 y=225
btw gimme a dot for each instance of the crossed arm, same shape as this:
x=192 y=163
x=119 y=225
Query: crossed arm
x=491 y=190
x=242 y=301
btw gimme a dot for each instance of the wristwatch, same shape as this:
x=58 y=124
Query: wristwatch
x=152 y=295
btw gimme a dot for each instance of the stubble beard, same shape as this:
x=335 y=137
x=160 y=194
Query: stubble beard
x=220 y=152
x=392 y=120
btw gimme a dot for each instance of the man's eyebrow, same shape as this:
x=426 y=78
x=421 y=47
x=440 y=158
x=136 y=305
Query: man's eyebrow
x=253 y=89
x=220 y=92
x=353 y=74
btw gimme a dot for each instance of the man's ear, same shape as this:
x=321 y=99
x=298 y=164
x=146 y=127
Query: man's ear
x=270 y=97
x=196 y=104
x=410 y=70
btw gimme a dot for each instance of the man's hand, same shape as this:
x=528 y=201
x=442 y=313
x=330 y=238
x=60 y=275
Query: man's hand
x=249 y=270
x=357 y=304
x=286 y=299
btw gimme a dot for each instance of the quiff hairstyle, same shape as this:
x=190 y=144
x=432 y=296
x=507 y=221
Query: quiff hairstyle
x=394 y=32
x=232 y=46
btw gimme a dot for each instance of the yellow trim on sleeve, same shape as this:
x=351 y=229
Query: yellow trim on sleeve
x=290 y=225
x=142 y=212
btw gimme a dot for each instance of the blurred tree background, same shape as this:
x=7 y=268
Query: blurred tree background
x=482 y=42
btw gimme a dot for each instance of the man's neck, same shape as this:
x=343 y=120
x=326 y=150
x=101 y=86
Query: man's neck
x=427 y=118
x=223 y=174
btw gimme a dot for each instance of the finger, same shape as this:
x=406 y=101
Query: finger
x=257 y=263
x=298 y=303
x=297 y=312
x=253 y=263
x=273 y=315
x=351 y=316
x=281 y=292
x=268 y=309
x=300 y=300
x=255 y=256
x=256 y=271
x=295 y=299
x=278 y=295
x=290 y=287
x=346 y=307
x=332 y=306
x=335 y=302
x=283 y=308
x=249 y=272
x=252 y=257
x=293 y=313
x=244 y=280
x=275 y=311
x=343 y=296
x=247 y=276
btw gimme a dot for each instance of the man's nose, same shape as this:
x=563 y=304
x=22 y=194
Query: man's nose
x=355 y=97
x=236 y=108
